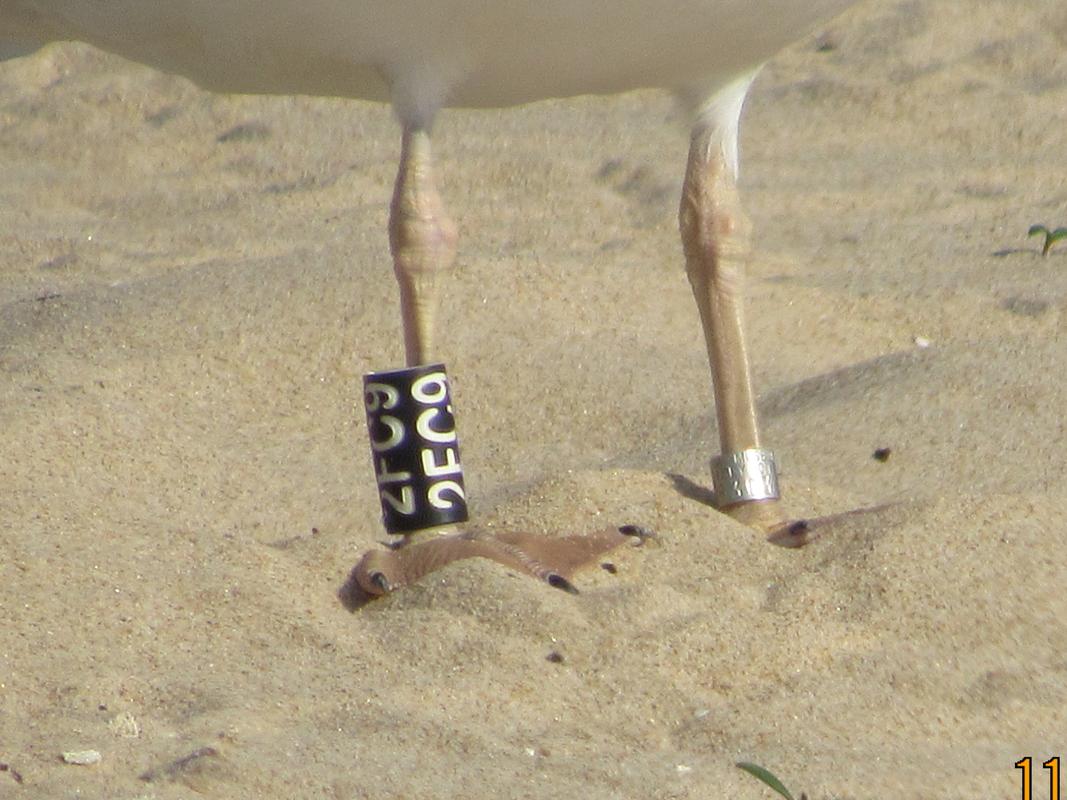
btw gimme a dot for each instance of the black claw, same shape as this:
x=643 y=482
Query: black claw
x=382 y=582
x=559 y=582
x=637 y=531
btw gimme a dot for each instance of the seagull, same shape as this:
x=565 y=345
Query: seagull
x=425 y=55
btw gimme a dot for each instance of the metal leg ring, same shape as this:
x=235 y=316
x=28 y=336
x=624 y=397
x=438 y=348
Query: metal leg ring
x=744 y=476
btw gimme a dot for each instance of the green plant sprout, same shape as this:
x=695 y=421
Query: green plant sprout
x=768 y=777
x=1051 y=236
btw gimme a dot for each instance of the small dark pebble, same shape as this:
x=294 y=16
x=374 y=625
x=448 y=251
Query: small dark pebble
x=14 y=773
x=554 y=657
x=314 y=531
x=609 y=567
x=881 y=454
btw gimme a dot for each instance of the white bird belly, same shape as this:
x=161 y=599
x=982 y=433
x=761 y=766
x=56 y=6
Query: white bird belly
x=477 y=53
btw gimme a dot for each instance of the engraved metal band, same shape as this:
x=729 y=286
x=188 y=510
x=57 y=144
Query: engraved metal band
x=744 y=476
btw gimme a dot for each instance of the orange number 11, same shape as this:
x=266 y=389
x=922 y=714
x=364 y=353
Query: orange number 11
x=1027 y=766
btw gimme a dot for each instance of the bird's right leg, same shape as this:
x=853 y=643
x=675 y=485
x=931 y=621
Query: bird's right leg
x=422 y=239
x=715 y=237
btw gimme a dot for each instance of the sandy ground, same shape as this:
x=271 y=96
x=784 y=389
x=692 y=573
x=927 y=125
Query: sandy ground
x=192 y=286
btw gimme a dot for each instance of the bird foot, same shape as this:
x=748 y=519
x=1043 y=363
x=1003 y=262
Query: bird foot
x=762 y=515
x=769 y=518
x=553 y=560
x=799 y=532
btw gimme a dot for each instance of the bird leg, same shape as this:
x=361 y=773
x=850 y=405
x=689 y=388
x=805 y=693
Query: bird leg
x=715 y=236
x=410 y=420
x=422 y=239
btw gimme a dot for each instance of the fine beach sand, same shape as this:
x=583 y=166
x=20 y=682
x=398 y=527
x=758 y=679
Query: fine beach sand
x=192 y=286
